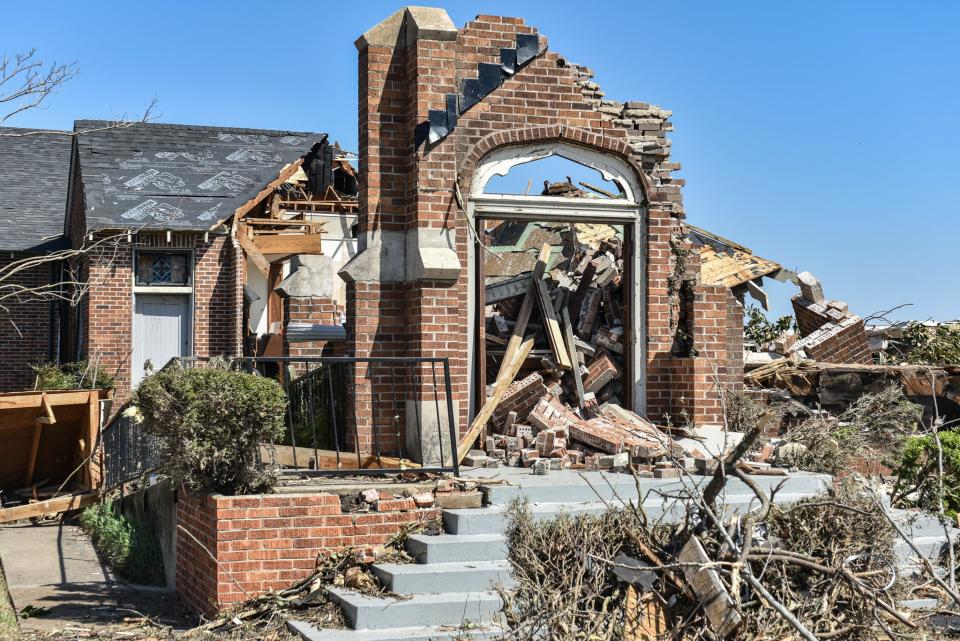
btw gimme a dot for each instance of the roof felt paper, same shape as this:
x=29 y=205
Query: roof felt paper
x=34 y=179
x=182 y=177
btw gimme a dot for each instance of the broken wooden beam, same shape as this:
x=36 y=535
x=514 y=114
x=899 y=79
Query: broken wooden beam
x=50 y=506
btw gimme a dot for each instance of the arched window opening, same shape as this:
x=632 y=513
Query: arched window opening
x=554 y=176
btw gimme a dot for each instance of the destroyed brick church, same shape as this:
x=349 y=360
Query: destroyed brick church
x=441 y=297
x=254 y=242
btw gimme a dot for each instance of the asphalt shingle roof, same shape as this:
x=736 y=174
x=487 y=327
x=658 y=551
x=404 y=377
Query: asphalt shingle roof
x=185 y=177
x=34 y=182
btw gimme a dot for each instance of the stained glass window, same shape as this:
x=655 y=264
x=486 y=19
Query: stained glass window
x=162 y=269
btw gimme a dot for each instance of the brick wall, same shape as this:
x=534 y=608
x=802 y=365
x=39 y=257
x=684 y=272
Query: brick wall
x=217 y=301
x=715 y=364
x=830 y=332
x=404 y=187
x=313 y=310
x=266 y=542
x=28 y=335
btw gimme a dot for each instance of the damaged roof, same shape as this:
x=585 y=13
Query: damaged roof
x=724 y=262
x=186 y=177
x=34 y=182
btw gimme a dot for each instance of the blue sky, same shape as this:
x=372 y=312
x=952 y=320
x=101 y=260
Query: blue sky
x=822 y=135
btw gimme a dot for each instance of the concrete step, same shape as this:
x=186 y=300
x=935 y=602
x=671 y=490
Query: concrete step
x=919 y=524
x=929 y=546
x=425 y=610
x=494 y=520
x=450 y=548
x=309 y=632
x=463 y=576
x=590 y=487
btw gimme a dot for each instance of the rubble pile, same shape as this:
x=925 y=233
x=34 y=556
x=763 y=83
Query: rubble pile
x=823 y=568
x=562 y=402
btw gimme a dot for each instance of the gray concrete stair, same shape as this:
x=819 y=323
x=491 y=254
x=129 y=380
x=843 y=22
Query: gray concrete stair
x=494 y=519
x=448 y=593
x=309 y=632
x=445 y=609
x=449 y=548
x=463 y=576
x=591 y=487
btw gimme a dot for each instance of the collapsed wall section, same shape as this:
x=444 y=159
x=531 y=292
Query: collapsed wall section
x=409 y=283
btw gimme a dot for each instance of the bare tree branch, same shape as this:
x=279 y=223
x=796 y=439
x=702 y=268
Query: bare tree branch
x=27 y=82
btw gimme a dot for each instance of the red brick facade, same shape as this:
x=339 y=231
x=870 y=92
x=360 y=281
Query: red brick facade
x=29 y=331
x=404 y=187
x=108 y=328
x=267 y=542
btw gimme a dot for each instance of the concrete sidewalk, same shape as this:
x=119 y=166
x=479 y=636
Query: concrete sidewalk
x=55 y=566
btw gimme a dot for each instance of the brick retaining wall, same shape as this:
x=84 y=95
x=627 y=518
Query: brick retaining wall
x=267 y=542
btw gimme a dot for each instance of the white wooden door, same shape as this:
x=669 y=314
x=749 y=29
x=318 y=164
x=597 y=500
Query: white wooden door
x=161 y=331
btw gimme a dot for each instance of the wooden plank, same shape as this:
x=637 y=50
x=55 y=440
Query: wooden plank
x=552 y=326
x=526 y=308
x=47 y=411
x=516 y=353
x=35 y=399
x=92 y=431
x=252 y=251
x=572 y=351
x=34 y=450
x=706 y=584
x=512 y=361
x=50 y=506
x=283 y=455
x=248 y=206
x=645 y=616
x=288 y=243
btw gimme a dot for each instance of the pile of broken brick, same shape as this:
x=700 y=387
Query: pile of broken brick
x=567 y=412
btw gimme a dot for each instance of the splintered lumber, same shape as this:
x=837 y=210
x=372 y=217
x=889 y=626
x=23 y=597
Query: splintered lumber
x=516 y=353
x=50 y=506
x=572 y=350
x=645 y=616
x=261 y=263
x=552 y=325
x=508 y=371
x=706 y=584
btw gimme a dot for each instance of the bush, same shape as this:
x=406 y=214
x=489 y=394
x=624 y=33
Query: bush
x=79 y=375
x=874 y=428
x=761 y=332
x=210 y=423
x=129 y=547
x=921 y=345
x=917 y=475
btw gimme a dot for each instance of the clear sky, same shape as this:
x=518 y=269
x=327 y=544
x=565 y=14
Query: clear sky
x=823 y=135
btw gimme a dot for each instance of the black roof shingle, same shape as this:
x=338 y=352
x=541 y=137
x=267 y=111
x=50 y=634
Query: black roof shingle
x=34 y=182
x=185 y=177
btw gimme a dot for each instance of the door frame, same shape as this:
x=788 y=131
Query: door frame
x=629 y=211
x=178 y=290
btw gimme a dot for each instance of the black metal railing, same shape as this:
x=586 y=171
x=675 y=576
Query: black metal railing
x=128 y=451
x=359 y=415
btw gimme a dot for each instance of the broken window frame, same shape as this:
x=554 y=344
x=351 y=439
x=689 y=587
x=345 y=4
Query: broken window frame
x=629 y=211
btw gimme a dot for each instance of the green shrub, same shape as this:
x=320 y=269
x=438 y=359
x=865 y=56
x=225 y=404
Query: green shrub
x=917 y=475
x=129 y=547
x=761 y=332
x=79 y=375
x=921 y=345
x=210 y=423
